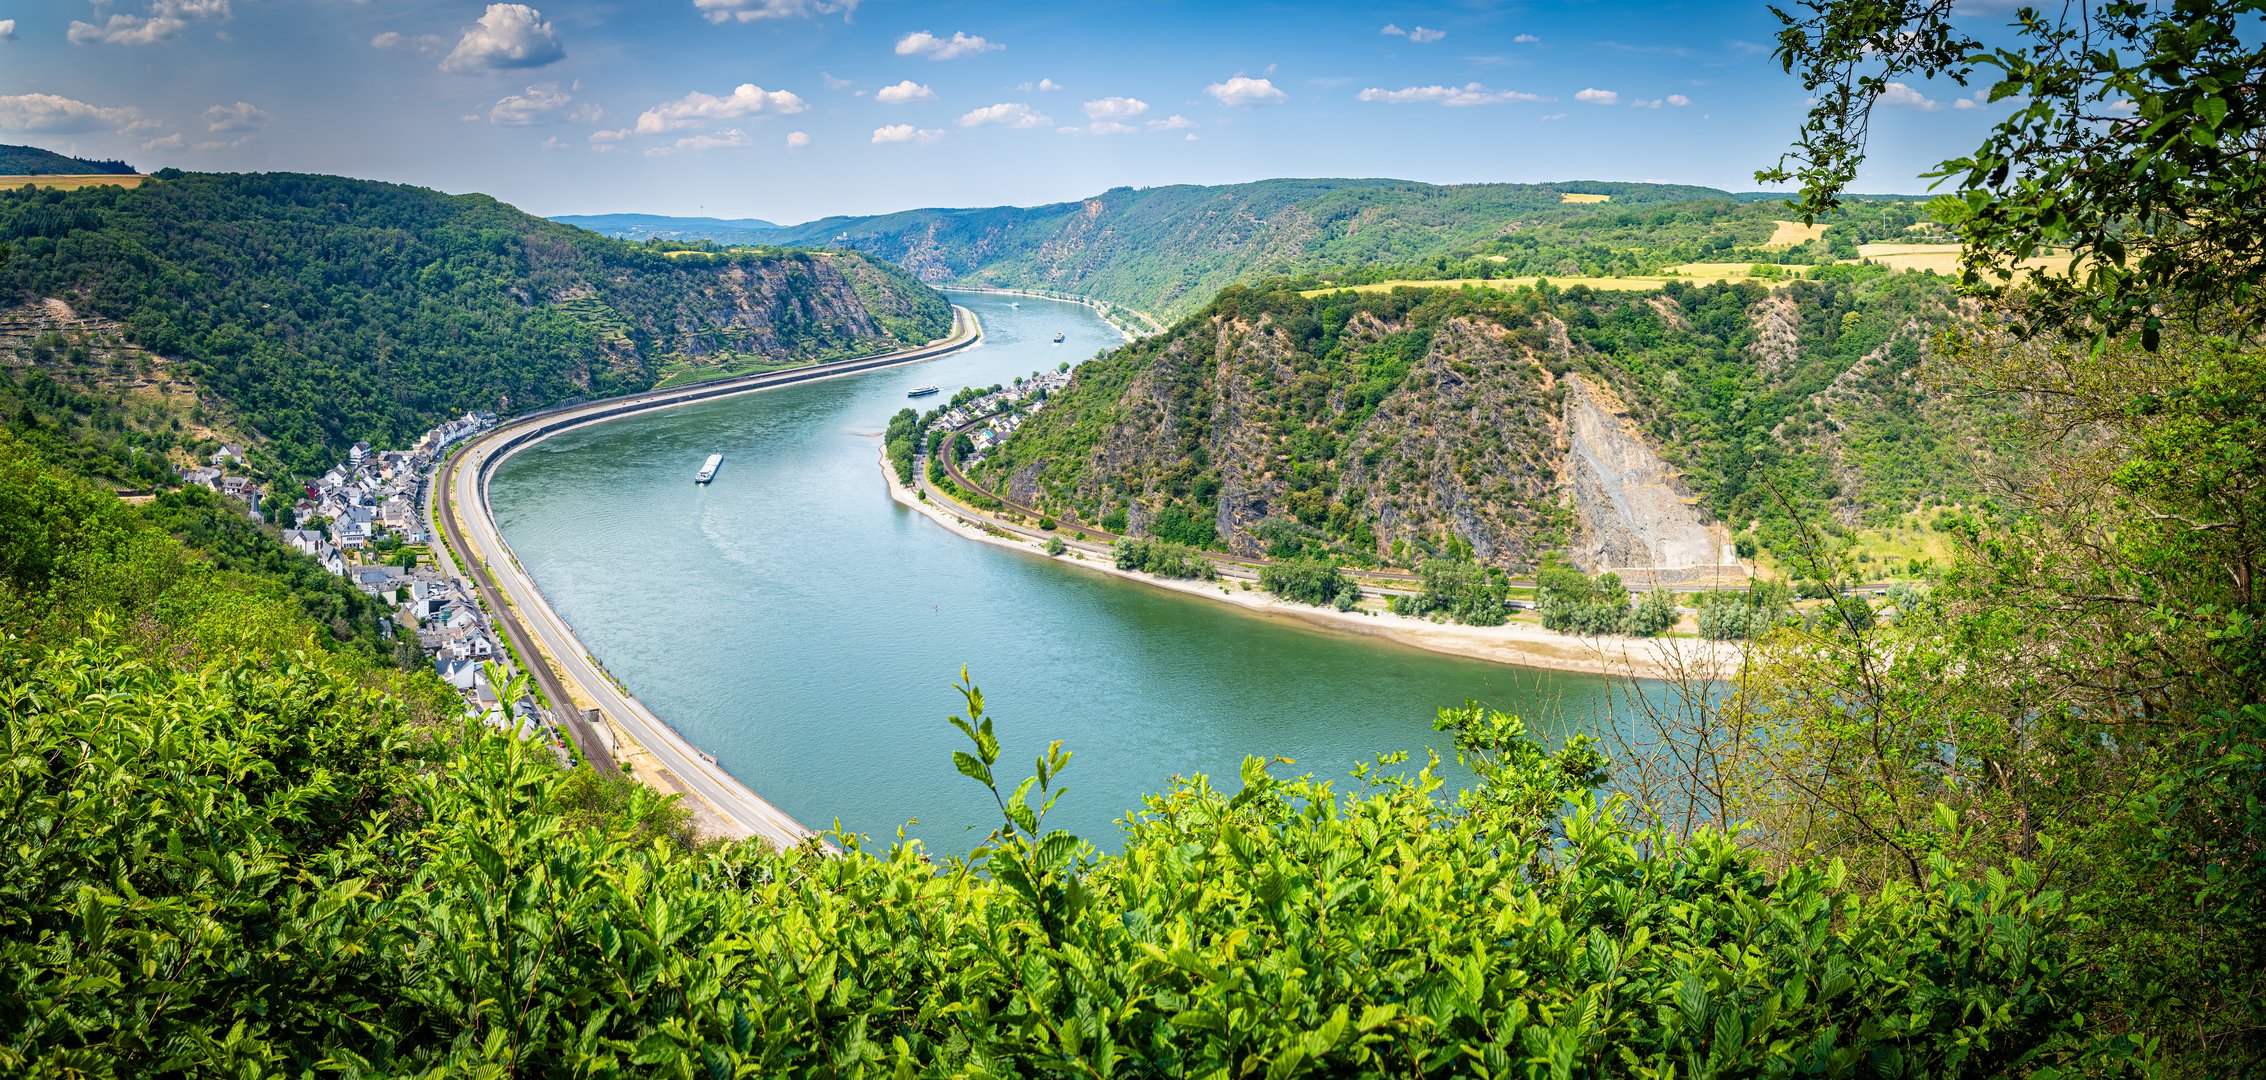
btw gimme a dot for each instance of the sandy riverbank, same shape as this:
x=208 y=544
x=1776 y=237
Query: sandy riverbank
x=1515 y=643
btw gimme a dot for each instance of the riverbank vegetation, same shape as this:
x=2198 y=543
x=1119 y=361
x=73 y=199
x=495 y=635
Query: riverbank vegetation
x=1164 y=559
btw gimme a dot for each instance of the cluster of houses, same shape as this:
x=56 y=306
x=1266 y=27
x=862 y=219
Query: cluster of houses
x=355 y=518
x=215 y=476
x=1030 y=392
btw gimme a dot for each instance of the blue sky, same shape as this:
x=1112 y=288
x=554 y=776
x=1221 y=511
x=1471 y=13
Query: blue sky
x=794 y=109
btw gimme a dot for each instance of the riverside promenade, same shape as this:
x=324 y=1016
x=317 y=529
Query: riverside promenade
x=571 y=679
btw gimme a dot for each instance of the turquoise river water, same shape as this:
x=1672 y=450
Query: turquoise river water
x=794 y=621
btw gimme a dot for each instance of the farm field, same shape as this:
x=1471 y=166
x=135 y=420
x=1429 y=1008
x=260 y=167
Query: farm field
x=74 y=183
x=1793 y=233
x=1571 y=197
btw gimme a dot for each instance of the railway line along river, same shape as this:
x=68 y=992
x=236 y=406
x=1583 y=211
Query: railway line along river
x=792 y=620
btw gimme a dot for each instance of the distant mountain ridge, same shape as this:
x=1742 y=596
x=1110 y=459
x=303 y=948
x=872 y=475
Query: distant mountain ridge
x=1167 y=250
x=33 y=161
x=664 y=227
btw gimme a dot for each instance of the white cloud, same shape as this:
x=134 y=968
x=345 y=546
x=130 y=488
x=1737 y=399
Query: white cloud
x=165 y=19
x=1642 y=103
x=828 y=79
x=796 y=140
x=1043 y=85
x=1678 y=100
x=695 y=109
x=507 y=36
x=57 y=115
x=1980 y=98
x=1526 y=39
x=1175 y=122
x=556 y=143
x=241 y=116
x=727 y=139
x=1012 y=114
x=904 y=93
x=1594 y=96
x=7 y=29
x=1553 y=117
x=1191 y=136
x=923 y=43
x=898 y=133
x=1896 y=95
x=1115 y=108
x=168 y=142
x=393 y=39
x=539 y=104
x=2126 y=107
x=1242 y=90
x=719 y=11
x=1422 y=35
x=222 y=144
x=603 y=141
x=1453 y=96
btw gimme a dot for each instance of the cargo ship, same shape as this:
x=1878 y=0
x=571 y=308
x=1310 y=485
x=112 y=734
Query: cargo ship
x=920 y=391
x=708 y=469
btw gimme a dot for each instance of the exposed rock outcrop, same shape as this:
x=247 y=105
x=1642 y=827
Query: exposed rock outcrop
x=1634 y=511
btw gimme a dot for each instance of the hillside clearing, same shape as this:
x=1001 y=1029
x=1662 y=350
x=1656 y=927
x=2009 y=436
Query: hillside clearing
x=1941 y=258
x=1792 y=233
x=1572 y=197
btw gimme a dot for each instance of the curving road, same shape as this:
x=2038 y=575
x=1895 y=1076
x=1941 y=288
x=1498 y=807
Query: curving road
x=468 y=525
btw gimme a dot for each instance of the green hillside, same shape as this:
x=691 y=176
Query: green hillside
x=1388 y=427
x=325 y=310
x=33 y=161
x=662 y=227
x=1167 y=250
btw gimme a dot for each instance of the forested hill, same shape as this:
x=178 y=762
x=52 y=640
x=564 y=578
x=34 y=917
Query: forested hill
x=33 y=161
x=1389 y=427
x=1167 y=250
x=662 y=227
x=321 y=310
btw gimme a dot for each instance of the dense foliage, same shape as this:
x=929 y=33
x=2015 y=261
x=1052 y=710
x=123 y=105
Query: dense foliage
x=233 y=854
x=1163 y=558
x=1458 y=589
x=1572 y=602
x=328 y=310
x=1310 y=581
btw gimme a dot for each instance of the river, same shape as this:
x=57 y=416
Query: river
x=795 y=622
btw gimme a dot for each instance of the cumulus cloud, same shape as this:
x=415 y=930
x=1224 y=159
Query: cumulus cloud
x=727 y=139
x=1175 y=122
x=1242 y=90
x=923 y=43
x=229 y=119
x=507 y=36
x=7 y=29
x=1012 y=114
x=904 y=93
x=899 y=133
x=1980 y=98
x=164 y=19
x=53 y=114
x=695 y=109
x=1115 y=108
x=604 y=141
x=1678 y=100
x=796 y=140
x=556 y=143
x=166 y=142
x=1452 y=96
x=1896 y=95
x=1526 y=39
x=541 y=103
x=721 y=11
x=1594 y=96
x=1042 y=86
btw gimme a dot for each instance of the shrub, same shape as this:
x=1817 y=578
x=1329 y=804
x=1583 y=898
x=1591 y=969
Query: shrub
x=1310 y=581
x=1164 y=559
x=1055 y=546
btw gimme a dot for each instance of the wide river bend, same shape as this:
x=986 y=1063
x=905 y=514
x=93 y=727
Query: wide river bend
x=795 y=622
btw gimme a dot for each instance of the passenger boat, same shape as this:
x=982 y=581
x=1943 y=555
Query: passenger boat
x=708 y=469
x=1058 y=339
x=920 y=391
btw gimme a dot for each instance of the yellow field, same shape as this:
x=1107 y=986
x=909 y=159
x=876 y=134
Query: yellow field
x=73 y=183
x=1790 y=233
x=1728 y=271
x=1568 y=196
x=1941 y=258
x=1603 y=284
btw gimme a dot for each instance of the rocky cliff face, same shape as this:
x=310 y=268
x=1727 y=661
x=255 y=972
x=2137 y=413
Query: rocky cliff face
x=1633 y=510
